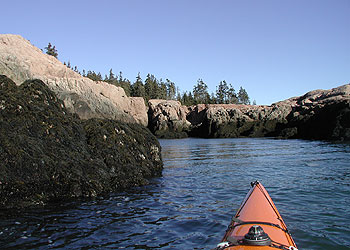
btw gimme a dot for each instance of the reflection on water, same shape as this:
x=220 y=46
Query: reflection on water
x=203 y=183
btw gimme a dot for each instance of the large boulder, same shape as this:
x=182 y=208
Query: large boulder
x=20 y=61
x=167 y=118
x=48 y=154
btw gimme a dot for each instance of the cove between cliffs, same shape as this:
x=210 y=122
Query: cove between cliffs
x=48 y=154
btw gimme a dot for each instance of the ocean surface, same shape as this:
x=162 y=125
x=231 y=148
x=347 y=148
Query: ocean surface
x=204 y=181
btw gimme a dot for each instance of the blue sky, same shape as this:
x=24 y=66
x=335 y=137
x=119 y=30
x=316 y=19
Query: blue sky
x=275 y=49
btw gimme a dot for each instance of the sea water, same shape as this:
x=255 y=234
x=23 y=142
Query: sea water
x=190 y=206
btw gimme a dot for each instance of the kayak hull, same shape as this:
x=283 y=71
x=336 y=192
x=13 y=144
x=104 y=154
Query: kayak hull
x=258 y=209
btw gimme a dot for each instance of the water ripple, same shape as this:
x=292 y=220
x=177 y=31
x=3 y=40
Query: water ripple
x=203 y=183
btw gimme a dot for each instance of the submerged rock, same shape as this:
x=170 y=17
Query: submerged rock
x=48 y=154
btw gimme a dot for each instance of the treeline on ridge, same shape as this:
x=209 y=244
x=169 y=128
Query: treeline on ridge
x=152 y=88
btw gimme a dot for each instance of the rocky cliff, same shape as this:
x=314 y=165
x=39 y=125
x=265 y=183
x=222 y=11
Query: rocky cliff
x=48 y=154
x=20 y=61
x=319 y=114
x=167 y=119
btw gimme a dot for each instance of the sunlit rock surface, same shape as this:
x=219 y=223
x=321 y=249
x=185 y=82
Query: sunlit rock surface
x=20 y=61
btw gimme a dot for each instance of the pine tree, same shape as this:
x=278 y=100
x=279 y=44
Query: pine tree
x=162 y=90
x=93 y=76
x=231 y=95
x=213 y=98
x=178 y=94
x=51 y=50
x=243 y=97
x=138 y=89
x=170 y=90
x=221 y=92
x=190 y=100
x=151 y=87
x=111 y=75
x=99 y=76
x=187 y=99
x=124 y=83
x=200 y=92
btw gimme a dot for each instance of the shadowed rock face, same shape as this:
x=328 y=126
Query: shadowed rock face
x=319 y=114
x=20 y=61
x=230 y=120
x=48 y=154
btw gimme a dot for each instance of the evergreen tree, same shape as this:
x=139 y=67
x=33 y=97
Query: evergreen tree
x=225 y=93
x=93 y=76
x=200 y=92
x=178 y=94
x=51 y=50
x=124 y=83
x=151 y=87
x=99 y=76
x=231 y=95
x=243 y=97
x=138 y=89
x=184 y=99
x=111 y=76
x=162 y=90
x=170 y=90
x=187 y=99
x=120 y=77
x=213 y=98
x=221 y=92
x=191 y=100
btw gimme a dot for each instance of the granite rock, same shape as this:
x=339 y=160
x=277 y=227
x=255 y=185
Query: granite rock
x=319 y=114
x=20 y=61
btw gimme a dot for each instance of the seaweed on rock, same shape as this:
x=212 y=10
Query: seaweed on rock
x=49 y=154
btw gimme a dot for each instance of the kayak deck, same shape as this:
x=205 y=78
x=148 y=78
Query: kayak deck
x=257 y=212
